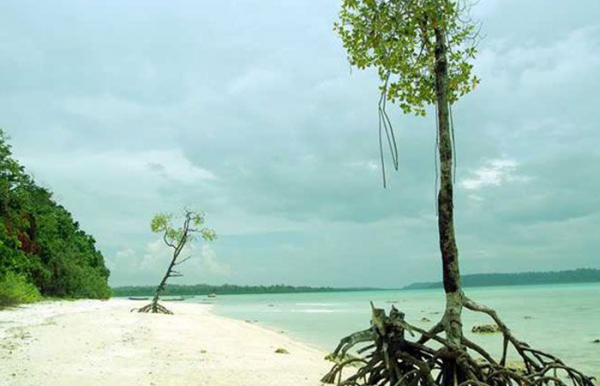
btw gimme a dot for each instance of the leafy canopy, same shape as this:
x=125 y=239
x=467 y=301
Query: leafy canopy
x=397 y=37
x=192 y=225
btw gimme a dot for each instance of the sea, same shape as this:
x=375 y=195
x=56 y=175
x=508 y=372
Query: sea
x=563 y=320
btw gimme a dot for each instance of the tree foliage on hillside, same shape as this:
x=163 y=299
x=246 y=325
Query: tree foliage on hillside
x=40 y=241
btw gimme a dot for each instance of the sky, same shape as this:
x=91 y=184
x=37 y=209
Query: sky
x=249 y=111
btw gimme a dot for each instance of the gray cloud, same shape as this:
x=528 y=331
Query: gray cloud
x=249 y=111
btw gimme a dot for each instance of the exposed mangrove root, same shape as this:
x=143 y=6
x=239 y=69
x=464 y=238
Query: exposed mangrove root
x=390 y=358
x=153 y=308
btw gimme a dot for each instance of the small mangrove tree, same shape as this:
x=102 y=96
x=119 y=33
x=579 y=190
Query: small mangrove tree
x=176 y=239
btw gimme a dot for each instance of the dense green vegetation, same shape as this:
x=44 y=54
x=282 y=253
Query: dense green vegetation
x=524 y=278
x=42 y=249
x=16 y=289
x=226 y=289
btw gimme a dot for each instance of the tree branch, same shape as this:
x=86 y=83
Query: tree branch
x=183 y=261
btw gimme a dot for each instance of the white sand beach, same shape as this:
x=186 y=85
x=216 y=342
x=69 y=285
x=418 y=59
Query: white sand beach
x=88 y=343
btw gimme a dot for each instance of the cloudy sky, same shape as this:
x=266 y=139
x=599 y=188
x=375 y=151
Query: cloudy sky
x=249 y=111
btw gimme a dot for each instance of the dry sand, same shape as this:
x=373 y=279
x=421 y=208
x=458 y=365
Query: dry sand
x=101 y=343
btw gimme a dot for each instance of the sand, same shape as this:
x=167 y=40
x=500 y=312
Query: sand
x=87 y=342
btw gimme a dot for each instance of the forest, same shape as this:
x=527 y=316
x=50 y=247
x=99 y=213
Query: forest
x=43 y=250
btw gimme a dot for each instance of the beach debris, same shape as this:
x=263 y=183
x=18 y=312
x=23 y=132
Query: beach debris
x=281 y=350
x=486 y=329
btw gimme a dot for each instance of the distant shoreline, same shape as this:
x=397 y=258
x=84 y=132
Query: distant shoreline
x=229 y=289
x=166 y=297
x=577 y=276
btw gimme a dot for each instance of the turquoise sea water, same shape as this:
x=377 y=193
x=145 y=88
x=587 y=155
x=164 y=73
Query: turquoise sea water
x=560 y=319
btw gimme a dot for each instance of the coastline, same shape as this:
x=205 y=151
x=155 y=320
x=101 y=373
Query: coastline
x=89 y=342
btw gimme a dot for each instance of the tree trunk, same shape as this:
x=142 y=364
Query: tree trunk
x=452 y=285
x=163 y=284
x=155 y=307
x=391 y=358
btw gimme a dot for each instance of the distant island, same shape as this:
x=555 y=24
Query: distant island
x=228 y=289
x=525 y=278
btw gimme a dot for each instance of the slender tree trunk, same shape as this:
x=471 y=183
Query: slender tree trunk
x=163 y=283
x=449 y=251
x=154 y=306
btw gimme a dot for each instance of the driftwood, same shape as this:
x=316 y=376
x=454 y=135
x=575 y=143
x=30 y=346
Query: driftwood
x=391 y=358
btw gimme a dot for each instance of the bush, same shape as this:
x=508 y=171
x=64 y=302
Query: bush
x=15 y=289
